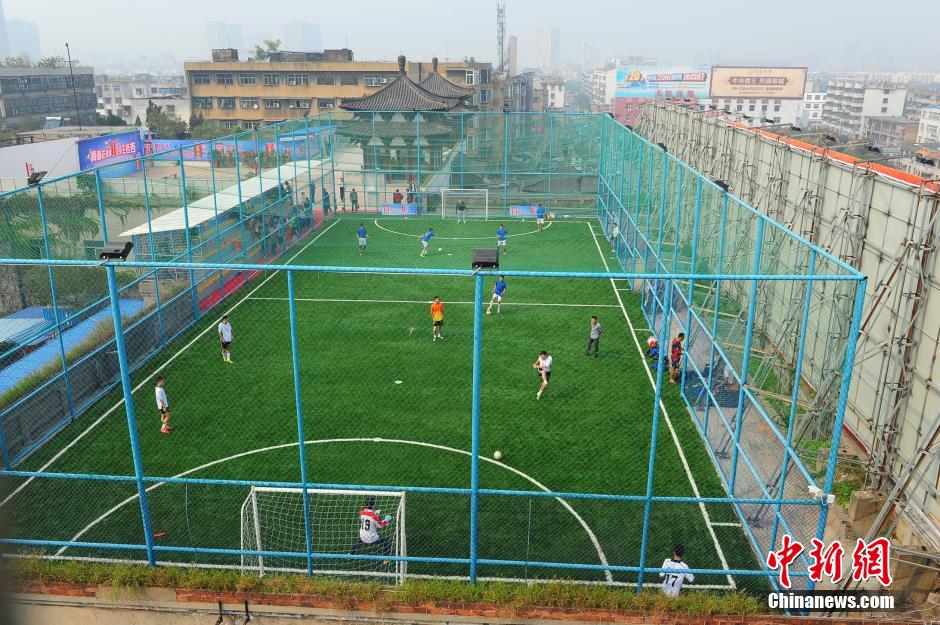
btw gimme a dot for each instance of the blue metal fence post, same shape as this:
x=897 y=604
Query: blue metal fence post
x=692 y=268
x=417 y=197
x=307 y=155
x=463 y=149
x=620 y=198
x=794 y=398
x=55 y=304
x=717 y=271
x=746 y=361
x=601 y=202
x=129 y=409
x=638 y=182
x=189 y=243
x=277 y=160
x=505 y=160
x=330 y=127
x=843 y=400
x=651 y=468
x=101 y=212
x=298 y=402
x=551 y=139
x=241 y=205
x=150 y=246
x=475 y=426
x=218 y=225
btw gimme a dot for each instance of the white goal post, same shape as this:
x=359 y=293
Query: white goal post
x=475 y=203
x=272 y=520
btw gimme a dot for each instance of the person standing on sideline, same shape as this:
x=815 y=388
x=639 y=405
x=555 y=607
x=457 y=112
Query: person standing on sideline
x=676 y=351
x=354 y=199
x=595 y=339
x=501 y=233
x=437 y=319
x=342 y=192
x=614 y=236
x=543 y=367
x=225 y=337
x=540 y=216
x=426 y=241
x=461 y=211
x=326 y=203
x=163 y=405
x=497 y=297
x=361 y=234
x=397 y=197
x=412 y=191
x=673 y=580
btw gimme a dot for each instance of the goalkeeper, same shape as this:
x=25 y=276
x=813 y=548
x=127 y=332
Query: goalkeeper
x=369 y=525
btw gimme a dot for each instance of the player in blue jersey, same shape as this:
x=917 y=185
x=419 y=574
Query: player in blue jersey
x=426 y=241
x=362 y=236
x=497 y=297
x=501 y=233
x=540 y=216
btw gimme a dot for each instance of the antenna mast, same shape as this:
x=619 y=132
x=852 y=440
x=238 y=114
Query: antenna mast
x=502 y=68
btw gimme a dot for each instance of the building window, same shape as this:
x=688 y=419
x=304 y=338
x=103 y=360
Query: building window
x=247 y=79
x=884 y=100
x=249 y=103
x=776 y=120
x=298 y=104
x=106 y=88
x=251 y=125
x=484 y=76
x=272 y=104
x=628 y=107
x=202 y=103
x=776 y=108
x=326 y=104
x=226 y=103
x=348 y=79
x=326 y=79
x=271 y=80
x=139 y=92
x=486 y=96
x=224 y=79
x=198 y=79
x=739 y=107
x=884 y=109
x=297 y=80
x=229 y=124
x=471 y=78
x=375 y=81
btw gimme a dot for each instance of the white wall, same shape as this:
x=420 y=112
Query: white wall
x=59 y=158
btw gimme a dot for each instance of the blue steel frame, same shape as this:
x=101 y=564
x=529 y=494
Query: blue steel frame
x=634 y=154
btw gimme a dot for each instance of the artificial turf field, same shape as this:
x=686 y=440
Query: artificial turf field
x=360 y=333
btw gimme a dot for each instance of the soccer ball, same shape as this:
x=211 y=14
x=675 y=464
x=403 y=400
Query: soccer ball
x=497 y=455
x=440 y=249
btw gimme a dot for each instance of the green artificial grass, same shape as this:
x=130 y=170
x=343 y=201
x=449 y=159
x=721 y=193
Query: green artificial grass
x=357 y=335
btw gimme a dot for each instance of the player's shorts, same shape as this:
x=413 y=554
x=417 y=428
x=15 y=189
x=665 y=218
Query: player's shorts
x=362 y=240
x=675 y=364
x=548 y=374
x=501 y=242
x=226 y=344
x=497 y=297
x=439 y=323
x=425 y=244
x=540 y=220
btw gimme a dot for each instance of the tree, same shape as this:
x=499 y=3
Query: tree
x=213 y=129
x=270 y=46
x=195 y=119
x=109 y=120
x=17 y=61
x=163 y=124
x=137 y=122
x=54 y=62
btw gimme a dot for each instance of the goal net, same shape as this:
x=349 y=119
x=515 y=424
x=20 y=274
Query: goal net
x=474 y=202
x=272 y=520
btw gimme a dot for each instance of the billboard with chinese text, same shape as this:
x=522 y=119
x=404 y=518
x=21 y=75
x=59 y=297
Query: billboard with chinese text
x=781 y=83
x=663 y=82
x=125 y=147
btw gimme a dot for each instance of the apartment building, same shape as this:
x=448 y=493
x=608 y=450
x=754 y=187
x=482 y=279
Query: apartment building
x=926 y=160
x=891 y=134
x=37 y=92
x=811 y=109
x=289 y=85
x=850 y=103
x=128 y=96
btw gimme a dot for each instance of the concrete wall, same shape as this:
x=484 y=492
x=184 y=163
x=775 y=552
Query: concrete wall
x=59 y=158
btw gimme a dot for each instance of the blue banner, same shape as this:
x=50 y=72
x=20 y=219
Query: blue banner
x=125 y=148
x=685 y=81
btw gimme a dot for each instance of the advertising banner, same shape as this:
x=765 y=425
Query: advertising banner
x=192 y=150
x=780 y=83
x=663 y=82
x=125 y=148
x=400 y=209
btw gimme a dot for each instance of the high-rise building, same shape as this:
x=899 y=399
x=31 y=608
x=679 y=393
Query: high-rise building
x=554 y=55
x=224 y=35
x=513 y=55
x=547 y=46
x=4 y=40
x=850 y=103
x=23 y=39
x=301 y=37
x=37 y=92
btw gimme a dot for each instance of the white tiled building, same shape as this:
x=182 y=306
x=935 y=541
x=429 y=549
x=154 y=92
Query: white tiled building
x=811 y=109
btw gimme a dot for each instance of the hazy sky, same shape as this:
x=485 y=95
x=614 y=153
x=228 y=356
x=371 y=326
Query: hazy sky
x=825 y=34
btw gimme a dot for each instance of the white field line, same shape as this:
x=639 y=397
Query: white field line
x=662 y=407
x=486 y=238
x=410 y=301
x=724 y=524
x=82 y=434
x=581 y=521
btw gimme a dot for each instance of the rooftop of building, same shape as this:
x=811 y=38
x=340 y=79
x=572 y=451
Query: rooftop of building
x=69 y=132
x=403 y=94
x=12 y=72
x=440 y=86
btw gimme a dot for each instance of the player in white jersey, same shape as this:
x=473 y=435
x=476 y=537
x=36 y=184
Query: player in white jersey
x=369 y=525
x=163 y=405
x=225 y=337
x=543 y=367
x=675 y=577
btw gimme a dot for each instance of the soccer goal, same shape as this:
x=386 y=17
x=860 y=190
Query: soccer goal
x=272 y=520
x=475 y=203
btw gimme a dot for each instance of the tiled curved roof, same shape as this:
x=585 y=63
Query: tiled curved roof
x=402 y=94
x=440 y=86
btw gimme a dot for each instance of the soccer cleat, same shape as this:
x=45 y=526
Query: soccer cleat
x=538 y=395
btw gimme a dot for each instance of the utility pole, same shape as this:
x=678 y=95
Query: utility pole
x=74 y=90
x=502 y=68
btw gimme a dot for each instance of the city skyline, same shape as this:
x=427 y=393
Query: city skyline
x=698 y=34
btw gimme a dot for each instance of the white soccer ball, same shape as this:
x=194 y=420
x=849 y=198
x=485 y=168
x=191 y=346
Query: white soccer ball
x=440 y=249
x=497 y=455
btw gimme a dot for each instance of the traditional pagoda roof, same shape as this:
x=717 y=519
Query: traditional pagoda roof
x=440 y=86
x=387 y=130
x=402 y=94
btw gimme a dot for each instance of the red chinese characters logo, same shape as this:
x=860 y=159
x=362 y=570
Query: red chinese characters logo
x=869 y=560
